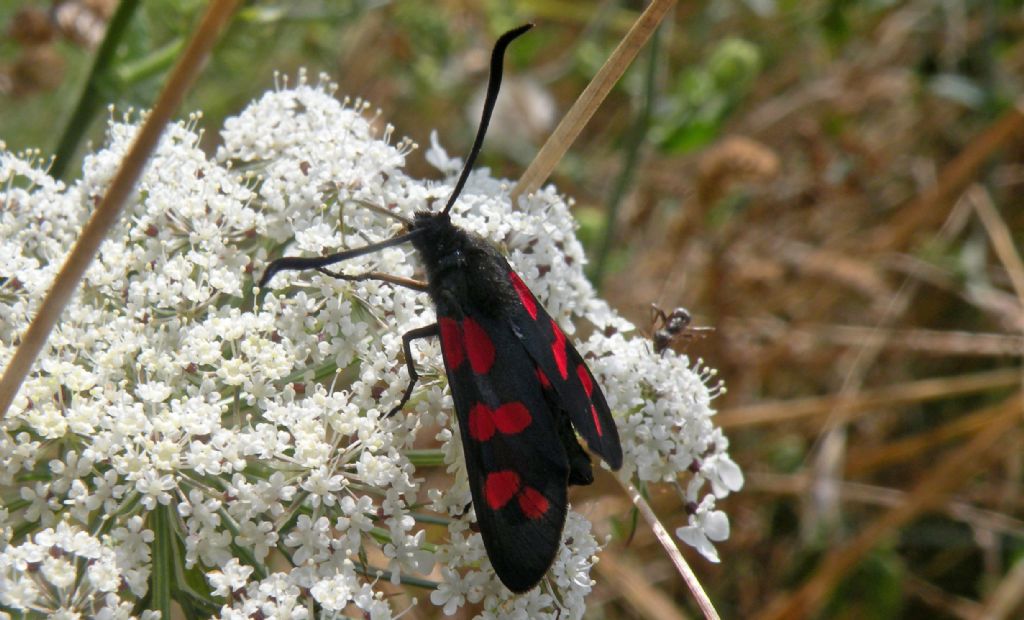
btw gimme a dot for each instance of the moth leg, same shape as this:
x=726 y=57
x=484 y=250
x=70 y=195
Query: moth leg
x=407 y=338
x=464 y=510
x=657 y=314
x=415 y=285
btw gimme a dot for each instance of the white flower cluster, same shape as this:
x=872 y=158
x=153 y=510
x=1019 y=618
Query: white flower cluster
x=255 y=424
x=65 y=572
x=665 y=425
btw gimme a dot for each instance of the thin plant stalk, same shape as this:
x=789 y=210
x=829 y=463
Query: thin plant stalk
x=90 y=100
x=218 y=14
x=665 y=538
x=634 y=140
x=593 y=95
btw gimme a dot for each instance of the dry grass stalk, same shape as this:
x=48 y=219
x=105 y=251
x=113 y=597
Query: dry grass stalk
x=593 y=95
x=669 y=545
x=635 y=587
x=999 y=233
x=873 y=495
x=947 y=475
x=178 y=83
x=931 y=206
x=805 y=337
x=1007 y=596
x=887 y=397
x=864 y=461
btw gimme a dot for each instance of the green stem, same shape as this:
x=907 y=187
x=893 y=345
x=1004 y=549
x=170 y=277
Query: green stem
x=634 y=139
x=163 y=560
x=89 y=101
x=156 y=62
x=428 y=457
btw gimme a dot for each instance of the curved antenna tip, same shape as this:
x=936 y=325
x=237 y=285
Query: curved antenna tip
x=493 y=85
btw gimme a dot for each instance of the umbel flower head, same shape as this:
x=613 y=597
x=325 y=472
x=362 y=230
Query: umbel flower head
x=177 y=426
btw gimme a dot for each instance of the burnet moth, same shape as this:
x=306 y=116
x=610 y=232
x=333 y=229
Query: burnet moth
x=519 y=388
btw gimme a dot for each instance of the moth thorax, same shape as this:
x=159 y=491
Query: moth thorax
x=438 y=241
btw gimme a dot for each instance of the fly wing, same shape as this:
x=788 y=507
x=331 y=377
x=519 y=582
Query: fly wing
x=518 y=468
x=565 y=370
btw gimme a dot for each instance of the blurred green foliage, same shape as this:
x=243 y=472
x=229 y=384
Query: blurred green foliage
x=692 y=111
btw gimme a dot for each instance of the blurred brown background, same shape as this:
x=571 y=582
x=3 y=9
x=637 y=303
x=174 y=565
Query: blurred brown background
x=833 y=186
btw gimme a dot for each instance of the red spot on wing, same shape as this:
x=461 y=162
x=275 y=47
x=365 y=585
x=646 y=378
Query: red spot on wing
x=533 y=503
x=544 y=381
x=479 y=347
x=500 y=487
x=481 y=422
x=558 y=350
x=512 y=418
x=588 y=383
x=588 y=386
x=524 y=293
x=451 y=342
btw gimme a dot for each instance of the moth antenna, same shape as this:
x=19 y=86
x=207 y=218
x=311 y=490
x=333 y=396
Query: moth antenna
x=301 y=263
x=493 y=85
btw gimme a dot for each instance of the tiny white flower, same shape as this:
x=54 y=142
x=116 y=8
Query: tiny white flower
x=310 y=537
x=59 y=572
x=153 y=391
x=450 y=595
x=322 y=487
x=335 y=592
x=232 y=576
x=104 y=576
x=259 y=536
x=705 y=527
x=154 y=488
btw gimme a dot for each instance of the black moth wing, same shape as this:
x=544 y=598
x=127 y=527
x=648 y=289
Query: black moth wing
x=564 y=369
x=516 y=462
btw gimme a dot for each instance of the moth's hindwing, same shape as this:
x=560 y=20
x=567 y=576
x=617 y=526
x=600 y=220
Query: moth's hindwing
x=564 y=369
